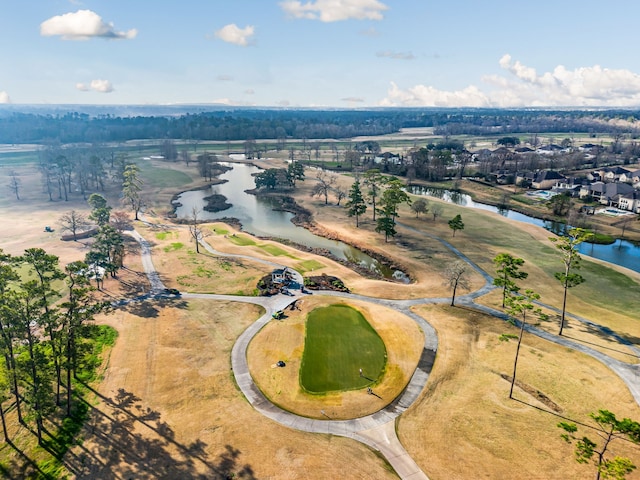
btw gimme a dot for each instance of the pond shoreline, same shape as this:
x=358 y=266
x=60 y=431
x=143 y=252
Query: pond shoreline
x=303 y=218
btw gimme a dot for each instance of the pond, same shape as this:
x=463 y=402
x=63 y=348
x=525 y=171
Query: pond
x=622 y=252
x=258 y=218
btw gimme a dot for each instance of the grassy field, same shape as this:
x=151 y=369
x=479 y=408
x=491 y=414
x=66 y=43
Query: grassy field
x=338 y=343
x=167 y=393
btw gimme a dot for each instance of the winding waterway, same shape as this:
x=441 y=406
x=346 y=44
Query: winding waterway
x=623 y=253
x=258 y=217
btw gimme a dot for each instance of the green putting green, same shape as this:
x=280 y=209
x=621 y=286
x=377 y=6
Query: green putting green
x=338 y=343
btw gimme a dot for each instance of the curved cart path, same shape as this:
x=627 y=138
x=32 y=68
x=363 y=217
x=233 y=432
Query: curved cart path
x=376 y=430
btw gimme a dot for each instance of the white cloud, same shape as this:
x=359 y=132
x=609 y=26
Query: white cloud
x=335 y=10
x=396 y=55
x=582 y=87
x=82 y=25
x=101 y=86
x=4 y=97
x=233 y=34
x=424 y=96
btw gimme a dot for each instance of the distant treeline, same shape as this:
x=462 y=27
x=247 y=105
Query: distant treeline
x=257 y=124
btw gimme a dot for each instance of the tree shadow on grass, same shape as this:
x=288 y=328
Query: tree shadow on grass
x=151 y=307
x=605 y=333
x=124 y=439
x=20 y=466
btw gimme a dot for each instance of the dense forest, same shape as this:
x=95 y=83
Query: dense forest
x=85 y=125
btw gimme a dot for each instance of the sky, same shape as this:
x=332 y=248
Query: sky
x=321 y=53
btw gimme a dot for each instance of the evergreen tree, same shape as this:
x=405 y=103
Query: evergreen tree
x=131 y=187
x=8 y=328
x=356 y=205
x=508 y=270
x=100 y=211
x=568 y=278
x=47 y=271
x=295 y=172
x=456 y=224
x=79 y=308
x=374 y=180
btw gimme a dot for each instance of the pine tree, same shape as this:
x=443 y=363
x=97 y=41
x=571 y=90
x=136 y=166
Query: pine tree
x=356 y=205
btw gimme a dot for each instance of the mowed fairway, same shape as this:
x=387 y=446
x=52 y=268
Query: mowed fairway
x=338 y=343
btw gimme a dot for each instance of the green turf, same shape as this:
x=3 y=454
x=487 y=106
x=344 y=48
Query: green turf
x=275 y=250
x=338 y=342
x=219 y=231
x=241 y=240
x=309 y=266
x=161 y=177
x=165 y=235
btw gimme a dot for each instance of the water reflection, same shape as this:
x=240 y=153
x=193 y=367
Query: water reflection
x=623 y=252
x=259 y=218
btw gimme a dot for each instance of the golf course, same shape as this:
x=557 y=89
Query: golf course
x=176 y=403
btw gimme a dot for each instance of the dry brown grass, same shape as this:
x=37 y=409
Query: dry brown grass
x=284 y=340
x=464 y=425
x=180 y=267
x=168 y=407
x=574 y=330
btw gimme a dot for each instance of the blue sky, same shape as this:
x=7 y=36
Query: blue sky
x=321 y=53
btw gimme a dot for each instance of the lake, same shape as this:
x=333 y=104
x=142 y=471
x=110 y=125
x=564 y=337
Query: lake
x=258 y=217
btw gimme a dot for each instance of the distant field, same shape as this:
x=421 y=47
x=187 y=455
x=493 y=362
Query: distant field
x=339 y=342
x=17 y=159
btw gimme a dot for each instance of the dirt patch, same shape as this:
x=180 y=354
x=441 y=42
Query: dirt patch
x=537 y=394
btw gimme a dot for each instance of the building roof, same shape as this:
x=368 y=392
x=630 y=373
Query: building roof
x=548 y=175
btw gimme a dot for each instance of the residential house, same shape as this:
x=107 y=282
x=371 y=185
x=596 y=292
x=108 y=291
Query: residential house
x=570 y=186
x=388 y=158
x=280 y=276
x=522 y=150
x=550 y=149
x=606 y=193
x=632 y=177
x=630 y=202
x=612 y=174
x=546 y=179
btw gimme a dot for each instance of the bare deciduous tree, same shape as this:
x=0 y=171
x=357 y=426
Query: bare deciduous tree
x=73 y=222
x=195 y=230
x=325 y=183
x=454 y=277
x=340 y=193
x=14 y=184
x=120 y=221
